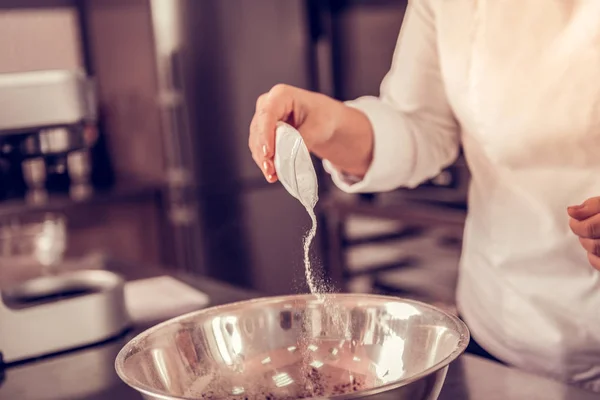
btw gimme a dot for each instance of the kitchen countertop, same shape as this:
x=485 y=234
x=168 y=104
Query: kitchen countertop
x=89 y=373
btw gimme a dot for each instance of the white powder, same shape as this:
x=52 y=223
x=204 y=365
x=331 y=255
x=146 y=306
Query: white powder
x=308 y=195
x=306 y=181
x=311 y=280
x=296 y=172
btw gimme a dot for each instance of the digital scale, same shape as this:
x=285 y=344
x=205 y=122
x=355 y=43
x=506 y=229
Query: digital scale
x=51 y=314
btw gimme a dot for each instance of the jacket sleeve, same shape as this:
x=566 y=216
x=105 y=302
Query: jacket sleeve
x=415 y=132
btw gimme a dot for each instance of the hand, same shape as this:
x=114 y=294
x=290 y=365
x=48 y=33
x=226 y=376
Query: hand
x=311 y=113
x=585 y=223
x=330 y=129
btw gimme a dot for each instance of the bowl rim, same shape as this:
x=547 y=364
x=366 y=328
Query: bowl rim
x=461 y=327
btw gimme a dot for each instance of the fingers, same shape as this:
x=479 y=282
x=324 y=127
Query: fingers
x=585 y=210
x=261 y=152
x=594 y=260
x=585 y=223
x=591 y=245
x=276 y=105
x=588 y=228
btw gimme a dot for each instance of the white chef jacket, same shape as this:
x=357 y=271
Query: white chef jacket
x=517 y=84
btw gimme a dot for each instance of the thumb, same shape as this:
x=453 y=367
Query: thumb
x=585 y=210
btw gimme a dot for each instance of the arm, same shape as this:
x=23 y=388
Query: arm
x=415 y=133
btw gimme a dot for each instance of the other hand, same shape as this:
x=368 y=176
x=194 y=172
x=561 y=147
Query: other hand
x=585 y=223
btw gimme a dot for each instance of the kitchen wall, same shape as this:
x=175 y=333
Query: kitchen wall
x=365 y=39
x=39 y=38
x=123 y=61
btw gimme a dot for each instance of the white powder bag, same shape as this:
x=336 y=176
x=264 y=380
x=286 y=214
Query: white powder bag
x=294 y=166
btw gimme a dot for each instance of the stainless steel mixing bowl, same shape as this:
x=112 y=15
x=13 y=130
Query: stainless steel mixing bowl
x=345 y=346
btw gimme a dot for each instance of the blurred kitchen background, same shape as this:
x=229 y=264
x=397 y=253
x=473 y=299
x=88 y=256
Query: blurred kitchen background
x=167 y=179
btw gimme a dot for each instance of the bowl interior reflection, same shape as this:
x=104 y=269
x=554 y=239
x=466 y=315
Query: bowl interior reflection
x=292 y=347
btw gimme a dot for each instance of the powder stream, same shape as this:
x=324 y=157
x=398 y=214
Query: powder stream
x=308 y=239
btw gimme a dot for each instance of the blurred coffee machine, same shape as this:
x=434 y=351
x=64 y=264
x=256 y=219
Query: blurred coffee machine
x=48 y=127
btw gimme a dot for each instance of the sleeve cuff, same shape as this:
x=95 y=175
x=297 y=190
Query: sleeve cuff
x=342 y=180
x=392 y=151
